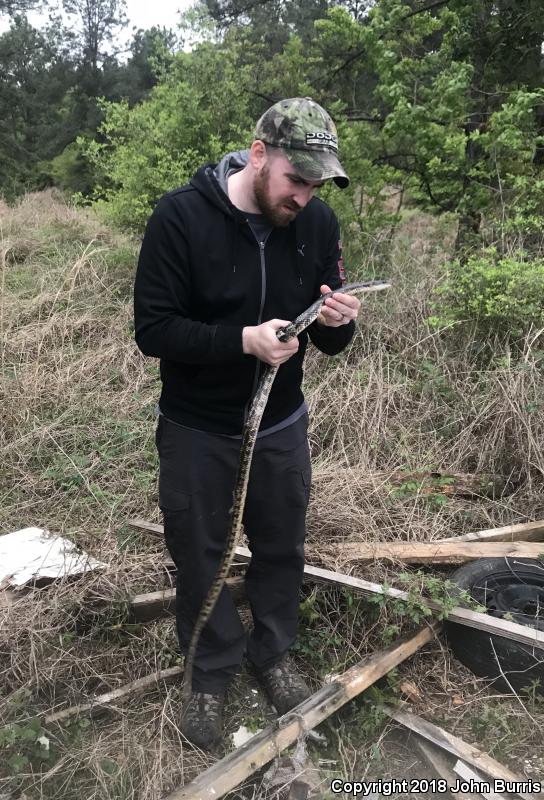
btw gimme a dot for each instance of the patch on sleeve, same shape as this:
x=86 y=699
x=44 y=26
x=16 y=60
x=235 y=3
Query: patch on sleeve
x=341 y=268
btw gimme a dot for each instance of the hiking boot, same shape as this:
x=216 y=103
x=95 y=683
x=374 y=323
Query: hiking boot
x=283 y=685
x=202 y=719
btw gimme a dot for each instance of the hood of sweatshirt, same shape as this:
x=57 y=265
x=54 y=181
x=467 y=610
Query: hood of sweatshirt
x=232 y=162
x=211 y=181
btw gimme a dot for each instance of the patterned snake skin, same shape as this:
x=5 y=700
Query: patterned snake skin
x=246 y=452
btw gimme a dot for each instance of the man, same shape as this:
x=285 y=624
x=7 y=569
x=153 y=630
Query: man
x=227 y=260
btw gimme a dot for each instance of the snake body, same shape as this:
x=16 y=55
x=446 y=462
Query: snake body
x=249 y=437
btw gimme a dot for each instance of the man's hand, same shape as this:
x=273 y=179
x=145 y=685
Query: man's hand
x=261 y=341
x=338 y=309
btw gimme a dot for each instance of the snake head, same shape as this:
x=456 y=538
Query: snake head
x=286 y=333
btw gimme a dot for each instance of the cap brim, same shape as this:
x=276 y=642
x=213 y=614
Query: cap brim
x=317 y=165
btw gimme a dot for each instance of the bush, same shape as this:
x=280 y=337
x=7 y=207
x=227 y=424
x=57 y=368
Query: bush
x=70 y=170
x=193 y=116
x=500 y=295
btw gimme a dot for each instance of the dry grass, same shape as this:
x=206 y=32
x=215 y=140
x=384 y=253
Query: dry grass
x=77 y=456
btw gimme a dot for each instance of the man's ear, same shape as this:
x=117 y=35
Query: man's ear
x=257 y=155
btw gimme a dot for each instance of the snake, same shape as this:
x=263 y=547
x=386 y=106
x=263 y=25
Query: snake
x=249 y=436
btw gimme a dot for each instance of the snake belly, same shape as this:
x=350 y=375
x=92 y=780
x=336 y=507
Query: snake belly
x=249 y=436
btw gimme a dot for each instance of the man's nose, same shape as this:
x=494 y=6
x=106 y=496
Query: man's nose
x=303 y=195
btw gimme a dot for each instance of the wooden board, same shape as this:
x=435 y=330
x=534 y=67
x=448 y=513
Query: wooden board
x=460 y=484
x=440 y=763
x=153 y=605
x=122 y=692
x=464 y=616
x=440 y=552
x=230 y=771
x=468 y=774
x=453 y=744
x=521 y=532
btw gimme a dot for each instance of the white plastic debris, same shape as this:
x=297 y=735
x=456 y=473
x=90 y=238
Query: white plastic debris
x=243 y=735
x=35 y=553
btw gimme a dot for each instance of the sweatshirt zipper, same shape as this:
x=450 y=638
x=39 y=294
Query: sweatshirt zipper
x=259 y=320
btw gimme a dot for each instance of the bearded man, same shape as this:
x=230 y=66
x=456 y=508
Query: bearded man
x=226 y=261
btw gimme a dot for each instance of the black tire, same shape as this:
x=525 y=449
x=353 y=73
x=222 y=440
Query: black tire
x=510 y=586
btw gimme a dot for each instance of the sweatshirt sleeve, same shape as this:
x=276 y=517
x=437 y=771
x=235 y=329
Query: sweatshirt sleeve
x=327 y=339
x=163 y=327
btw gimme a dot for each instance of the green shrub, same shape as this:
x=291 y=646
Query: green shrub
x=194 y=115
x=499 y=295
x=70 y=170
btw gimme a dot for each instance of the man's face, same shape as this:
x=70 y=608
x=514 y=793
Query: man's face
x=280 y=191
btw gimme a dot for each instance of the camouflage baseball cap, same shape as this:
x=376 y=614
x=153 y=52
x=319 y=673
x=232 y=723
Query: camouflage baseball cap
x=308 y=137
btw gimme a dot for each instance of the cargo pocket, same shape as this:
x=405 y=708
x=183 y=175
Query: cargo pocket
x=307 y=482
x=172 y=499
x=175 y=506
x=297 y=491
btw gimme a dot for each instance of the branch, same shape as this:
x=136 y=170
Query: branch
x=271 y=100
x=360 y=53
x=417 y=169
x=425 y=181
x=234 y=13
x=360 y=116
x=426 y=8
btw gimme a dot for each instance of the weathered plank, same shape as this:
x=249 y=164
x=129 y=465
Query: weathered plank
x=439 y=552
x=473 y=778
x=230 y=771
x=453 y=744
x=460 y=484
x=122 y=692
x=149 y=527
x=521 y=532
x=464 y=616
x=440 y=763
x=153 y=605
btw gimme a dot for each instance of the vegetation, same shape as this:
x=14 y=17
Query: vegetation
x=440 y=102
x=52 y=80
x=501 y=295
x=440 y=110
x=78 y=457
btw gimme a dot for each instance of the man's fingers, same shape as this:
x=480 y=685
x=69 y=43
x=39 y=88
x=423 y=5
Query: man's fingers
x=344 y=307
x=261 y=341
x=337 y=313
x=339 y=309
x=278 y=323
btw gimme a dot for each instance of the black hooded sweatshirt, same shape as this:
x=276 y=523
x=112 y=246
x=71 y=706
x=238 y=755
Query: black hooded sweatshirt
x=202 y=277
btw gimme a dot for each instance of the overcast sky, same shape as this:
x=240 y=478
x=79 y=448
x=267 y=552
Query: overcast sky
x=145 y=14
x=141 y=13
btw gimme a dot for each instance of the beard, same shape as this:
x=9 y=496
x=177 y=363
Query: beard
x=276 y=213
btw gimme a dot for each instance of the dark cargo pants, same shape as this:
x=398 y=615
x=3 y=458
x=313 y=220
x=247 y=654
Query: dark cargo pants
x=196 y=484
